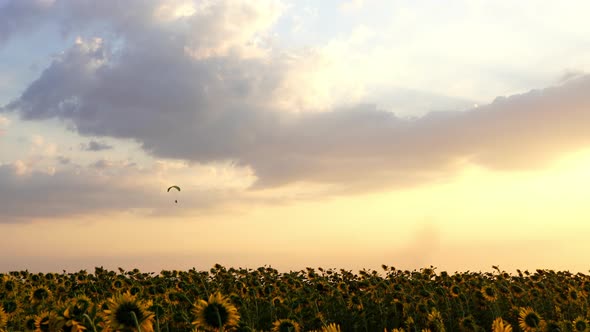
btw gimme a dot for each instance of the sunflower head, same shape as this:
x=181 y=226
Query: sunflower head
x=216 y=313
x=73 y=325
x=573 y=294
x=172 y=297
x=500 y=325
x=30 y=323
x=3 y=318
x=135 y=289
x=10 y=306
x=567 y=325
x=74 y=314
x=489 y=293
x=553 y=326
x=529 y=320
x=517 y=291
x=581 y=324
x=455 y=290
x=285 y=325
x=410 y=323
x=118 y=284
x=78 y=307
x=40 y=294
x=435 y=322
x=48 y=321
x=125 y=313
x=9 y=284
x=468 y=324
x=331 y=328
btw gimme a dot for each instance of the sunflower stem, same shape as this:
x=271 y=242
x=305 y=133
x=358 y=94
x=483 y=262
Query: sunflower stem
x=91 y=322
x=136 y=321
x=219 y=319
x=185 y=298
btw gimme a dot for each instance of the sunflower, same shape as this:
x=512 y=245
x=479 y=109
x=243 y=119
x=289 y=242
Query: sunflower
x=529 y=320
x=277 y=301
x=10 y=306
x=29 y=323
x=553 y=326
x=331 y=328
x=567 y=325
x=172 y=297
x=285 y=325
x=40 y=294
x=455 y=290
x=117 y=284
x=500 y=325
x=74 y=313
x=410 y=323
x=468 y=324
x=355 y=302
x=125 y=313
x=48 y=321
x=9 y=284
x=72 y=325
x=573 y=294
x=216 y=313
x=135 y=289
x=435 y=322
x=3 y=318
x=489 y=293
x=517 y=291
x=581 y=324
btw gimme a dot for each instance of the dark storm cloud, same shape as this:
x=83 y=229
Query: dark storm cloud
x=222 y=107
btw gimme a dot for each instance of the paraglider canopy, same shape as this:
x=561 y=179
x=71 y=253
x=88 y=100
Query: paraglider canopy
x=175 y=187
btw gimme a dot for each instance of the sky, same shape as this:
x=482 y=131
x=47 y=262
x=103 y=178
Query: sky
x=341 y=134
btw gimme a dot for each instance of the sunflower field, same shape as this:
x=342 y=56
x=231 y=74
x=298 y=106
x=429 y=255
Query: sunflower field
x=264 y=299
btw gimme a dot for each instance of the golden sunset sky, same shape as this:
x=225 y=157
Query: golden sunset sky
x=343 y=134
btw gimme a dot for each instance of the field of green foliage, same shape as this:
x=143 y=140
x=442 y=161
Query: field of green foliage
x=263 y=299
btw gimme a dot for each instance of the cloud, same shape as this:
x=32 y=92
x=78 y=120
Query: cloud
x=22 y=16
x=95 y=146
x=28 y=193
x=102 y=164
x=351 y=5
x=201 y=89
x=64 y=160
x=4 y=121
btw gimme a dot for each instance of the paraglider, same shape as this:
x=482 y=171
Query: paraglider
x=175 y=187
